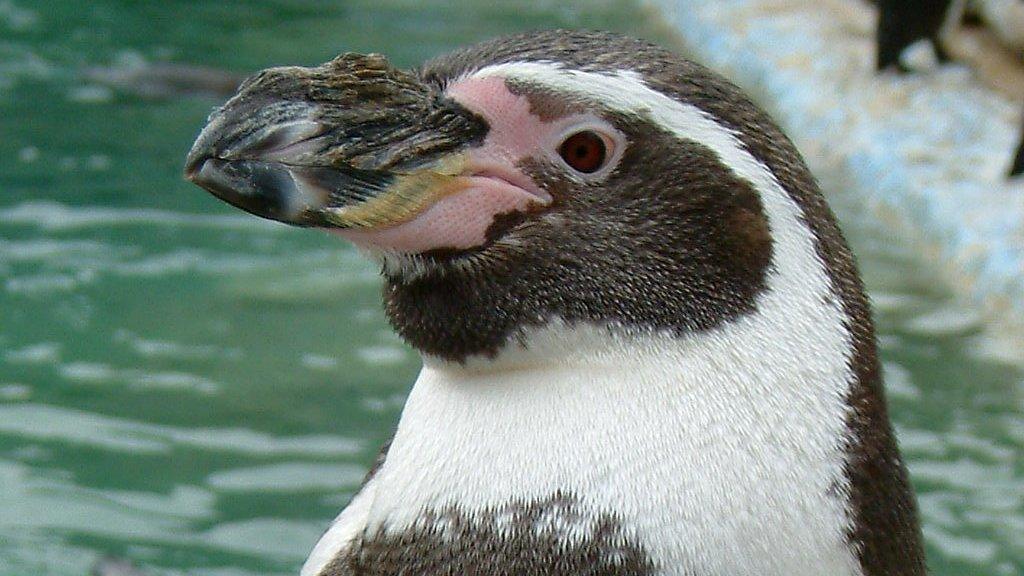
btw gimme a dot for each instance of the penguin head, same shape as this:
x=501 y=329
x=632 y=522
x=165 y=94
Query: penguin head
x=572 y=177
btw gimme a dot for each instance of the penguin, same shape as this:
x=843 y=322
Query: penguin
x=905 y=22
x=646 y=345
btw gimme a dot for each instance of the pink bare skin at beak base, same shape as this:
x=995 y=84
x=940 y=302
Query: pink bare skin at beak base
x=494 y=183
x=458 y=221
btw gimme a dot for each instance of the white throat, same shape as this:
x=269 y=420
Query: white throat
x=721 y=453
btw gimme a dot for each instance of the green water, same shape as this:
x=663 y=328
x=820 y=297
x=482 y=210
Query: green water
x=201 y=392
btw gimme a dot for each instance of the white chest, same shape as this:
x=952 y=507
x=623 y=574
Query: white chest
x=720 y=455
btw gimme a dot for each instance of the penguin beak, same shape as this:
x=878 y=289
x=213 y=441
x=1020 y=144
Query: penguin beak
x=352 y=144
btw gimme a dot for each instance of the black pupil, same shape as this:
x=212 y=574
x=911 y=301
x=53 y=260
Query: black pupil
x=584 y=151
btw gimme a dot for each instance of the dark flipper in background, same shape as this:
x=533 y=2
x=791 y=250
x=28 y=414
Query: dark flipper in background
x=904 y=22
x=1018 y=162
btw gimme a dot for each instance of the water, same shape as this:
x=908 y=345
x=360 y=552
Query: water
x=201 y=391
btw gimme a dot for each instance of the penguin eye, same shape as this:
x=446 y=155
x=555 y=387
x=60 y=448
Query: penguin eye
x=584 y=151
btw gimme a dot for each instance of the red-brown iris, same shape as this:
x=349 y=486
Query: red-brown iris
x=584 y=151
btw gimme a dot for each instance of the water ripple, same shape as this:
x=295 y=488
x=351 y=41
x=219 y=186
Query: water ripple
x=41 y=353
x=16 y=17
x=264 y=537
x=147 y=348
x=76 y=427
x=51 y=250
x=36 y=499
x=52 y=216
x=288 y=477
x=95 y=372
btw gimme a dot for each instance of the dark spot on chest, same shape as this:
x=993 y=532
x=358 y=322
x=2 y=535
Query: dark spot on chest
x=555 y=536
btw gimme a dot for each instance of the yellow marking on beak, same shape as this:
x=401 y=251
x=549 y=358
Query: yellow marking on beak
x=408 y=197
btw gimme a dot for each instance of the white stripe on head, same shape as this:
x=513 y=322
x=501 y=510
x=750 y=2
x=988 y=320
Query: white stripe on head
x=625 y=91
x=721 y=452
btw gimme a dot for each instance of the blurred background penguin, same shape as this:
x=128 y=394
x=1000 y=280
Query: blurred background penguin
x=987 y=34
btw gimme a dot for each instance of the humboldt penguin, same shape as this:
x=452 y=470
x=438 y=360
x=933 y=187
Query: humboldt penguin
x=905 y=22
x=646 y=345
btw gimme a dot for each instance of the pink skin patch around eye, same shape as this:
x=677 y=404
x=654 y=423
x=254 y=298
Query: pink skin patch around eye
x=494 y=184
